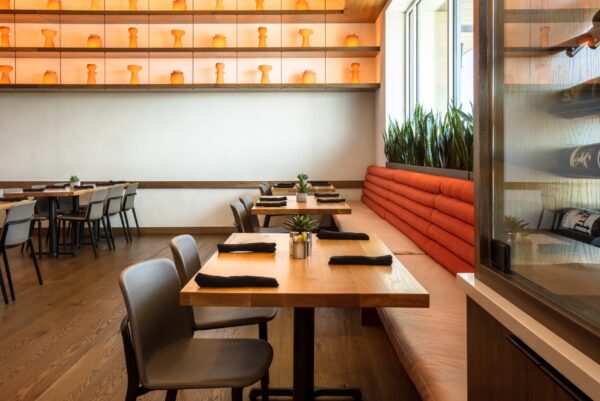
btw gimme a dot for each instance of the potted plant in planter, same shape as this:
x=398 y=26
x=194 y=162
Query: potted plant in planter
x=301 y=228
x=516 y=234
x=74 y=181
x=302 y=188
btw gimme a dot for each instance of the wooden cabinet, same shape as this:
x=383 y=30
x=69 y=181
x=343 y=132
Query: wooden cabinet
x=501 y=367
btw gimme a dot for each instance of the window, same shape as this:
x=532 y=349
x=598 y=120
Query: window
x=439 y=54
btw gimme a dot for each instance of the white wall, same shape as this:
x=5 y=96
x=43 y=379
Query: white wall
x=196 y=137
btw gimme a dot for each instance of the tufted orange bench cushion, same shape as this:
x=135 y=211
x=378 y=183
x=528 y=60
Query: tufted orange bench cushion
x=436 y=213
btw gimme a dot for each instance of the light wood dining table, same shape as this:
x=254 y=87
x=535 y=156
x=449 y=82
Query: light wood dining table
x=4 y=205
x=306 y=284
x=311 y=206
x=276 y=191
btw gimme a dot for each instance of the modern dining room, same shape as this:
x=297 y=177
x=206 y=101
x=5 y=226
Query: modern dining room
x=303 y=200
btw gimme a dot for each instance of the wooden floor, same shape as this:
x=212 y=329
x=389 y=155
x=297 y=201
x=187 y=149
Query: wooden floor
x=62 y=342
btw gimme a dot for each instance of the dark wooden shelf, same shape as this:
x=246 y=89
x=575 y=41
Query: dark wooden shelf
x=190 y=52
x=529 y=52
x=166 y=16
x=562 y=15
x=333 y=87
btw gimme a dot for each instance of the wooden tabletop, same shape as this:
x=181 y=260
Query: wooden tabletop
x=310 y=282
x=287 y=191
x=311 y=206
x=49 y=193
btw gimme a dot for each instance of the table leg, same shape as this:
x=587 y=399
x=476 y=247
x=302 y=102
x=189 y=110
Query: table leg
x=52 y=226
x=304 y=365
x=76 y=226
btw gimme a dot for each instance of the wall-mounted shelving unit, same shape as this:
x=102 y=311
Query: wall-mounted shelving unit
x=328 y=56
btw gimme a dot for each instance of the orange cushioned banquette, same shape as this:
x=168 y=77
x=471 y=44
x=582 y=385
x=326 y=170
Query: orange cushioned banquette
x=436 y=213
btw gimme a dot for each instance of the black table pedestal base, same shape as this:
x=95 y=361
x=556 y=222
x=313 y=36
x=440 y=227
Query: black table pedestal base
x=352 y=393
x=304 y=363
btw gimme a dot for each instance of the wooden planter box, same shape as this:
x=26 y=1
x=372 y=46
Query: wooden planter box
x=444 y=172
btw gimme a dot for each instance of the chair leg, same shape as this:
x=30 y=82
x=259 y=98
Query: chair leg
x=110 y=234
x=127 y=224
x=237 y=394
x=137 y=225
x=2 y=286
x=123 y=226
x=35 y=263
x=110 y=247
x=39 y=230
x=171 y=395
x=267 y=221
x=263 y=335
x=8 y=277
x=92 y=237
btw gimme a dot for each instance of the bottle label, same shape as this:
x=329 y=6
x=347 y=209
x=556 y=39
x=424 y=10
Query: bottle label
x=580 y=220
x=585 y=157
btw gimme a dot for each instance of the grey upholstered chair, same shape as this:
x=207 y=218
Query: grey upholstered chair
x=248 y=204
x=187 y=262
x=265 y=190
x=129 y=204
x=161 y=352
x=94 y=214
x=16 y=232
x=114 y=205
x=242 y=221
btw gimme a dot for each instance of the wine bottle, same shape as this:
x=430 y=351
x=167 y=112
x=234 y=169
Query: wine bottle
x=579 y=101
x=582 y=161
x=583 y=221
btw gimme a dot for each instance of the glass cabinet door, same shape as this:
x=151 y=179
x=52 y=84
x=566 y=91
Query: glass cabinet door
x=545 y=174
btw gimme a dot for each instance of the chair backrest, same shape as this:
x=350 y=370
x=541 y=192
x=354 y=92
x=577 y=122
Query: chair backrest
x=186 y=257
x=16 y=225
x=96 y=205
x=248 y=204
x=241 y=217
x=115 y=199
x=151 y=293
x=130 y=194
x=264 y=188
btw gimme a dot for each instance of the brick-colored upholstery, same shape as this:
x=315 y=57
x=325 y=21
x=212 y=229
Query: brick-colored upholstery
x=436 y=213
x=419 y=213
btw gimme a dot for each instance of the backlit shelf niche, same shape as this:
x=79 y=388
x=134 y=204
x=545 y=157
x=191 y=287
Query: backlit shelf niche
x=166 y=58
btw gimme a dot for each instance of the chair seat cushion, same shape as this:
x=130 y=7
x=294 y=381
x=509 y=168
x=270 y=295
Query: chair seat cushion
x=431 y=343
x=208 y=363
x=218 y=317
x=363 y=219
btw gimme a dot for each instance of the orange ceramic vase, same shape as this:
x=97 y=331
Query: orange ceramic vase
x=133 y=5
x=179 y=5
x=95 y=5
x=133 y=38
x=305 y=33
x=5 y=77
x=49 y=35
x=355 y=70
x=4 y=36
x=264 y=69
x=4 y=4
x=262 y=36
x=219 y=40
x=177 y=35
x=352 y=40
x=91 y=74
x=309 y=77
x=50 y=77
x=135 y=74
x=260 y=5
x=301 y=5
x=54 y=5
x=177 y=78
x=220 y=67
x=94 y=41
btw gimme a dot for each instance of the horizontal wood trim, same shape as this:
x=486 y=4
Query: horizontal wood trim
x=168 y=230
x=538 y=186
x=186 y=184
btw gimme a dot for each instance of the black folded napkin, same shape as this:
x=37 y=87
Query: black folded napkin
x=84 y=187
x=385 y=260
x=103 y=184
x=111 y=182
x=327 y=194
x=273 y=198
x=320 y=183
x=326 y=234
x=284 y=185
x=331 y=200
x=57 y=186
x=12 y=199
x=271 y=204
x=264 y=247
x=207 y=280
x=35 y=190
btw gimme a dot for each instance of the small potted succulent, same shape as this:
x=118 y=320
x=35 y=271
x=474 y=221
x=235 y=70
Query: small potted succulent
x=74 y=181
x=301 y=228
x=517 y=238
x=302 y=188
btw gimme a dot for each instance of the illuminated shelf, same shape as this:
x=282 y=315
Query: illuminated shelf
x=333 y=87
x=166 y=16
x=559 y=15
x=190 y=52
